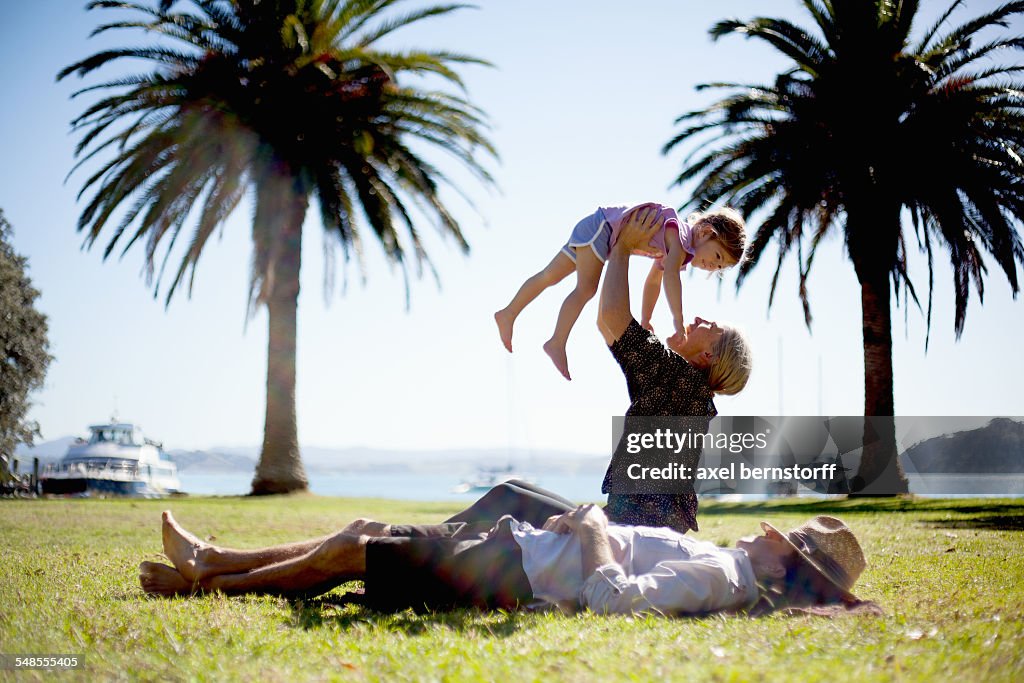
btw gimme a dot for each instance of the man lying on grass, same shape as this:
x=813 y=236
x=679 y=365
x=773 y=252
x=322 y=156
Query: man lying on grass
x=577 y=558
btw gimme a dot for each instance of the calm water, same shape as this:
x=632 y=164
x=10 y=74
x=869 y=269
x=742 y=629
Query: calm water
x=402 y=486
x=584 y=487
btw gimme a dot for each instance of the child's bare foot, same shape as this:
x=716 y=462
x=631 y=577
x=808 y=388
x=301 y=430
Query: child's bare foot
x=557 y=353
x=159 y=579
x=183 y=549
x=505 y=321
x=647 y=326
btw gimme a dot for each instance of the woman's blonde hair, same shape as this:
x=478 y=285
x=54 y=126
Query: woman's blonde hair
x=730 y=368
x=729 y=228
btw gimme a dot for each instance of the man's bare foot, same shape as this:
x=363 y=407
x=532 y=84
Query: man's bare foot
x=183 y=549
x=557 y=353
x=505 y=322
x=159 y=579
x=367 y=527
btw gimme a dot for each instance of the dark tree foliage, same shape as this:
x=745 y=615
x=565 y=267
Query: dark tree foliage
x=23 y=344
x=870 y=126
x=282 y=101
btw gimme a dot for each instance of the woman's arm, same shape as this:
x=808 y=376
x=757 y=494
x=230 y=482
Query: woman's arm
x=615 y=314
x=638 y=227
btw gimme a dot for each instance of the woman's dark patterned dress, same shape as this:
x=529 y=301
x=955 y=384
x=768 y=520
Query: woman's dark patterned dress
x=660 y=383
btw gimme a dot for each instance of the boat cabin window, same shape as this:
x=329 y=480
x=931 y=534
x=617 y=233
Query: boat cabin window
x=123 y=437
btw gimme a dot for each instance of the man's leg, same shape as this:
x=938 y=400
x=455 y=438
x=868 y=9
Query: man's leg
x=337 y=559
x=444 y=573
x=524 y=501
x=159 y=579
x=195 y=559
x=552 y=497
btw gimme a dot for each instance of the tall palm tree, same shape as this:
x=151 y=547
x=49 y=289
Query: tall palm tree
x=867 y=127
x=285 y=99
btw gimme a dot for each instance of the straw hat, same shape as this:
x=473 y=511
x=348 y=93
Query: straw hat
x=827 y=545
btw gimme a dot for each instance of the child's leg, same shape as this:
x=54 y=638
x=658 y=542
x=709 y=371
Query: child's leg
x=553 y=273
x=588 y=276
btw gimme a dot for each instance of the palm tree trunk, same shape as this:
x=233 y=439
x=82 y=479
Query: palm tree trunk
x=280 y=467
x=880 y=472
x=876 y=314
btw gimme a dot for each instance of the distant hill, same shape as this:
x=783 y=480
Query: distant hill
x=362 y=459
x=211 y=461
x=366 y=459
x=998 y=447
x=357 y=459
x=46 y=451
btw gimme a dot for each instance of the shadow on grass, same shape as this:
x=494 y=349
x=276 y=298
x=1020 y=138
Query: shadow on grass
x=1011 y=510
x=344 y=612
x=987 y=522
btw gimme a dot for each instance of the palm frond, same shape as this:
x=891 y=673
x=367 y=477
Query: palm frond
x=791 y=40
x=237 y=74
x=391 y=25
x=942 y=134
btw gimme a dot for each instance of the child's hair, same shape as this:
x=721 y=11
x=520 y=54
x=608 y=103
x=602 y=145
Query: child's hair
x=729 y=228
x=730 y=368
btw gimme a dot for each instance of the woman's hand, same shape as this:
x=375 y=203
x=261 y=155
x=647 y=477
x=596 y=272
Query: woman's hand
x=639 y=225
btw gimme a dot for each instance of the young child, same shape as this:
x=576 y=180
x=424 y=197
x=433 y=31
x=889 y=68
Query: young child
x=710 y=241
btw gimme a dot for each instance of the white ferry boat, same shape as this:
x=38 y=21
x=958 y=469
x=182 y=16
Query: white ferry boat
x=116 y=460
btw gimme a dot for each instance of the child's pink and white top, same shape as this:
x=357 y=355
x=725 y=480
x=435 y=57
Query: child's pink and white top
x=614 y=215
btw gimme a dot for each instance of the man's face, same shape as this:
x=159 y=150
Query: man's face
x=769 y=553
x=699 y=341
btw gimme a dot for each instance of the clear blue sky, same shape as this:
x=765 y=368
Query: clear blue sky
x=582 y=99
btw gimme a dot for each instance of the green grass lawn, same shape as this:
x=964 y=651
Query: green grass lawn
x=949 y=575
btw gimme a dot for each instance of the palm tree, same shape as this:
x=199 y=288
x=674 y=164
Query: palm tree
x=286 y=99
x=866 y=128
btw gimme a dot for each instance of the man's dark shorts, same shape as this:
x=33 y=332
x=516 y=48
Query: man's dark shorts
x=445 y=566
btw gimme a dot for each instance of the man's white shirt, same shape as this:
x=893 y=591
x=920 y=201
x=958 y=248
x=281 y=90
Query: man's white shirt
x=655 y=570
